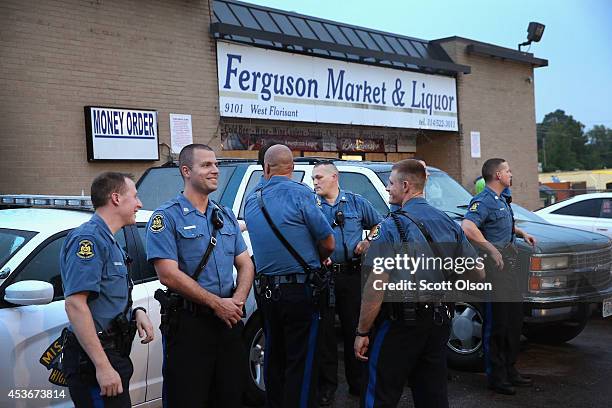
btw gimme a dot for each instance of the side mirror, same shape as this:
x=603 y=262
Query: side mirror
x=29 y=292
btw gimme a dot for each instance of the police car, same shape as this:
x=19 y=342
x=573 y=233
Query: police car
x=32 y=315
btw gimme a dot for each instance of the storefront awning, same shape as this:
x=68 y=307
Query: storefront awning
x=278 y=29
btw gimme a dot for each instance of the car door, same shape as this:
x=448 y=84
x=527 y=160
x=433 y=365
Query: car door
x=30 y=333
x=603 y=224
x=581 y=214
x=147 y=279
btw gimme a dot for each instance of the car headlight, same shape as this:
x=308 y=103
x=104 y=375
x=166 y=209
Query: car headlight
x=537 y=283
x=547 y=263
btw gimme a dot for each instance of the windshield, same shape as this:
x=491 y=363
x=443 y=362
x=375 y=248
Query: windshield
x=442 y=192
x=164 y=183
x=10 y=242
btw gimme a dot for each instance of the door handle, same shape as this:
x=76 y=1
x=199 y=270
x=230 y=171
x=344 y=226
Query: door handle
x=602 y=229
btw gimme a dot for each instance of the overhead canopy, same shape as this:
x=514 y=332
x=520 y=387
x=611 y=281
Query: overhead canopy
x=278 y=29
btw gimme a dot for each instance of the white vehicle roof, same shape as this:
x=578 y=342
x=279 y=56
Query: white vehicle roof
x=50 y=220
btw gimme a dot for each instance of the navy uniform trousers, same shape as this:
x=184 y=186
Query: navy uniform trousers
x=81 y=377
x=348 y=301
x=220 y=353
x=291 y=324
x=503 y=323
x=401 y=351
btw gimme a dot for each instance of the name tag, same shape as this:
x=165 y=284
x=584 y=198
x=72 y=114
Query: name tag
x=189 y=227
x=118 y=263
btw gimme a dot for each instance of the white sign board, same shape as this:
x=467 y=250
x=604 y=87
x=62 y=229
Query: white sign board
x=265 y=84
x=121 y=134
x=181 y=133
x=475 y=143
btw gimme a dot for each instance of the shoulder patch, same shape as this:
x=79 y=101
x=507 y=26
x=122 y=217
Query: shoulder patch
x=86 y=249
x=318 y=199
x=474 y=207
x=157 y=223
x=376 y=234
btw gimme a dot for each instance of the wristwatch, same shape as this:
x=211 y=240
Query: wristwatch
x=362 y=334
x=138 y=308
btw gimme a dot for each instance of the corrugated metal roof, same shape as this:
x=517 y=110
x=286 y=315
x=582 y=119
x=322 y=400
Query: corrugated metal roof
x=272 y=28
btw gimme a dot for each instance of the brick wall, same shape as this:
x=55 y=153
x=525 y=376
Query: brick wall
x=497 y=99
x=58 y=56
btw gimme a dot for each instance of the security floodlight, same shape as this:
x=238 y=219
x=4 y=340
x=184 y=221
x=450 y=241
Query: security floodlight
x=534 y=33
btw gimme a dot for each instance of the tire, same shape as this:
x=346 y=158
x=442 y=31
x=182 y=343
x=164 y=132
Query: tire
x=254 y=342
x=559 y=332
x=465 y=346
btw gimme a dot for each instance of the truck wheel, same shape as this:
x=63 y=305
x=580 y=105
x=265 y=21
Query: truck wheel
x=464 y=345
x=560 y=332
x=254 y=341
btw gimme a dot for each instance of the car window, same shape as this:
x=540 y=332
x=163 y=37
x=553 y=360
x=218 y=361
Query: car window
x=254 y=179
x=360 y=184
x=10 y=242
x=606 y=208
x=45 y=266
x=164 y=183
x=148 y=270
x=584 y=208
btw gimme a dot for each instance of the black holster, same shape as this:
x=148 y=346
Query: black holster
x=119 y=336
x=170 y=303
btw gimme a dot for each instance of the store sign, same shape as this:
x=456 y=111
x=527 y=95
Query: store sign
x=264 y=84
x=121 y=134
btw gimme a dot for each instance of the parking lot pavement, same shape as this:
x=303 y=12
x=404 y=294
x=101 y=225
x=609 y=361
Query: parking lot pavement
x=575 y=374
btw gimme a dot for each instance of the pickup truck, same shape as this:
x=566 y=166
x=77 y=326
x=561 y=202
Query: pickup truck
x=565 y=277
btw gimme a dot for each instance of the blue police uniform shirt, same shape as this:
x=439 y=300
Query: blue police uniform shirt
x=359 y=214
x=294 y=210
x=92 y=261
x=442 y=229
x=178 y=231
x=493 y=216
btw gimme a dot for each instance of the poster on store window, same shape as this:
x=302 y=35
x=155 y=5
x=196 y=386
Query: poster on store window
x=257 y=83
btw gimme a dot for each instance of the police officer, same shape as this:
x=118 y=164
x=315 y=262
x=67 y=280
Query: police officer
x=395 y=207
x=489 y=224
x=290 y=284
x=97 y=288
x=408 y=339
x=193 y=244
x=348 y=214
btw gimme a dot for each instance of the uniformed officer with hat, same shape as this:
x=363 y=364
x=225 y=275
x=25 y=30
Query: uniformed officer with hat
x=97 y=288
x=348 y=214
x=489 y=224
x=290 y=238
x=193 y=244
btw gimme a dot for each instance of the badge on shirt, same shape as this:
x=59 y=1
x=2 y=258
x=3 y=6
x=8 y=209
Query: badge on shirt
x=376 y=234
x=86 y=250
x=474 y=207
x=157 y=223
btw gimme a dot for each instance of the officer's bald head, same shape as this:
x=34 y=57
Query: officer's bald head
x=278 y=161
x=412 y=171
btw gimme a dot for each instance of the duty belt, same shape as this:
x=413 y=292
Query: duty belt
x=346 y=268
x=284 y=279
x=195 y=308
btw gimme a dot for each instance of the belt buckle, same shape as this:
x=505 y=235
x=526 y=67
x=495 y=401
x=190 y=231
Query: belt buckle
x=336 y=268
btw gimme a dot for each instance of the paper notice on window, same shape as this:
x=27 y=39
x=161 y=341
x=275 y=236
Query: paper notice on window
x=181 y=133
x=475 y=136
